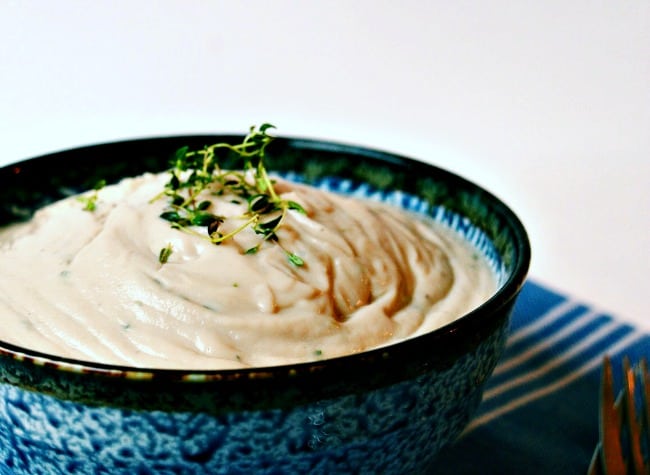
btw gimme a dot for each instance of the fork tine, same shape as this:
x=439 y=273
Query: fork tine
x=645 y=391
x=645 y=411
x=633 y=423
x=610 y=424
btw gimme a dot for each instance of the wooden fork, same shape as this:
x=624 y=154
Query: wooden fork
x=624 y=445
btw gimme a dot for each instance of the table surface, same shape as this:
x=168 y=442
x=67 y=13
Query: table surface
x=546 y=104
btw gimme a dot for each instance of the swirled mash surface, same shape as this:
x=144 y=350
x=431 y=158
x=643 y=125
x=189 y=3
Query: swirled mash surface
x=90 y=285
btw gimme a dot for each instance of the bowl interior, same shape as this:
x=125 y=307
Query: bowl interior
x=472 y=211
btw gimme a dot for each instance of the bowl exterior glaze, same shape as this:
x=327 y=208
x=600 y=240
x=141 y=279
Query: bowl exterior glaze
x=394 y=429
x=388 y=410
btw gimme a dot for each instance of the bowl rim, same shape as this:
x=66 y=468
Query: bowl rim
x=471 y=322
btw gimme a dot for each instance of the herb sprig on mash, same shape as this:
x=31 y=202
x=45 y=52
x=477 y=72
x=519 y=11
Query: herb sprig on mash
x=196 y=171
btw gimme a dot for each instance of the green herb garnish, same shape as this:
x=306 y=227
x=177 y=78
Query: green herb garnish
x=195 y=176
x=90 y=200
x=295 y=259
x=165 y=253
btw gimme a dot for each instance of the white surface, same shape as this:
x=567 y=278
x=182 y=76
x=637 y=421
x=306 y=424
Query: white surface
x=547 y=104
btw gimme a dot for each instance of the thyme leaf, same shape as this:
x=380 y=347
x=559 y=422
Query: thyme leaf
x=90 y=200
x=165 y=253
x=295 y=259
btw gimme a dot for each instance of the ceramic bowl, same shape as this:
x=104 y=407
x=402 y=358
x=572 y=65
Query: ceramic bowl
x=388 y=410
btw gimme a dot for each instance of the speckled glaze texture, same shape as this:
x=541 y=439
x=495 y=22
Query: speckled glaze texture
x=389 y=410
x=397 y=429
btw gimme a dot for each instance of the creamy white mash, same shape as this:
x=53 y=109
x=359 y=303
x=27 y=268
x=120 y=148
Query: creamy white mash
x=90 y=285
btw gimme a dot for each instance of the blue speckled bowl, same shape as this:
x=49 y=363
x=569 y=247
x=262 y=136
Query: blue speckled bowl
x=383 y=411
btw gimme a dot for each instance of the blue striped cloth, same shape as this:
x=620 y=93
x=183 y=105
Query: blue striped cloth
x=539 y=413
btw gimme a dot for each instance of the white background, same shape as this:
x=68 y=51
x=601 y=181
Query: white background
x=545 y=103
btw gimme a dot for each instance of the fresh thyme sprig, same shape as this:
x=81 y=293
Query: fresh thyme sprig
x=194 y=172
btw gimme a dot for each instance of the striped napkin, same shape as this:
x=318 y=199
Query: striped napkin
x=539 y=413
